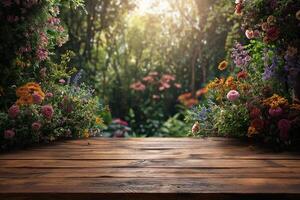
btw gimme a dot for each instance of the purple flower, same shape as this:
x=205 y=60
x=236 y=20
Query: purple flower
x=240 y=56
x=275 y=112
x=62 y=81
x=9 y=134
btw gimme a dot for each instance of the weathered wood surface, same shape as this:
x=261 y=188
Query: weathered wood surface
x=149 y=168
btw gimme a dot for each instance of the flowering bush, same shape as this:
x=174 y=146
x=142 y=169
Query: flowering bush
x=260 y=97
x=154 y=97
x=37 y=103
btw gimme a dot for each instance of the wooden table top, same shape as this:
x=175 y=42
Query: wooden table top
x=149 y=168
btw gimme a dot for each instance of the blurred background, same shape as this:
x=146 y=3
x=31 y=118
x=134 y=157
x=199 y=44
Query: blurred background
x=149 y=59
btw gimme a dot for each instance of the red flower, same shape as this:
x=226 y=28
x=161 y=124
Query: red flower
x=272 y=33
x=242 y=75
x=255 y=113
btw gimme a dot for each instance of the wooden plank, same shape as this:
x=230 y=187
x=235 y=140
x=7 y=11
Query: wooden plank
x=149 y=173
x=148 y=185
x=168 y=163
x=149 y=168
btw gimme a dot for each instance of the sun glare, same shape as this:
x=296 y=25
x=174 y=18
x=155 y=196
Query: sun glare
x=152 y=6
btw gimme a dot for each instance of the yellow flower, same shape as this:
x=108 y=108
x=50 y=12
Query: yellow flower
x=86 y=133
x=251 y=131
x=99 y=121
x=275 y=101
x=223 y=65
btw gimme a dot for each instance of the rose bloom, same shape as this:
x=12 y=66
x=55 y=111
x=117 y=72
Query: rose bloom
x=275 y=112
x=36 y=126
x=13 y=111
x=284 y=126
x=8 y=134
x=37 y=99
x=47 y=111
x=233 y=95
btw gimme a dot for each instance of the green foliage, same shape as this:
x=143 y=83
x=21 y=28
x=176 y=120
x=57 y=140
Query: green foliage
x=231 y=120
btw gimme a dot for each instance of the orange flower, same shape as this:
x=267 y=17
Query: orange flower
x=26 y=93
x=201 y=92
x=229 y=81
x=22 y=91
x=223 y=65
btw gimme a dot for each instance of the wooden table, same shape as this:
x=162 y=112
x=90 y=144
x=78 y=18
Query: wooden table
x=149 y=168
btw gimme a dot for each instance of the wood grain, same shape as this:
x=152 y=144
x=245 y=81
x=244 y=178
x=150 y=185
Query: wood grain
x=149 y=168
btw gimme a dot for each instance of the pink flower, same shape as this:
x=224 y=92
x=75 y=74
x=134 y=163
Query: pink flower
x=13 y=111
x=284 y=126
x=37 y=99
x=148 y=79
x=249 y=34
x=62 y=81
x=47 y=111
x=138 y=86
x=120 y=121
x=36 y=126
x=233 y=95
x=163 y=86
x=178 y=85
x=54 y=21
x=42 y=54
x=49 y=95
x=167 y=78
x=275 y=112
x=8 y=134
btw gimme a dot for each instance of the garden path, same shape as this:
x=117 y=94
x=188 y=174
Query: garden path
x=149 y=168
